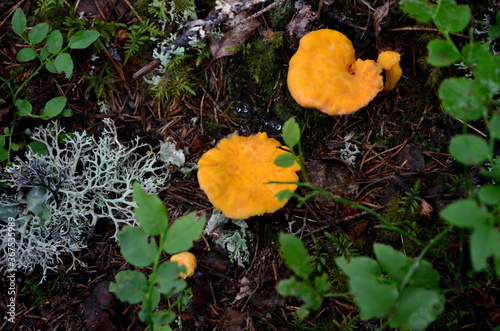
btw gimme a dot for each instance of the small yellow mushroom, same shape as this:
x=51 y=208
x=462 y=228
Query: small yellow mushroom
x=389 y=61
x=186 y=259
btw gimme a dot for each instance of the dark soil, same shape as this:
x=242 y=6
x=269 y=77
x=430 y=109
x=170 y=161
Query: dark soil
x=402 y=136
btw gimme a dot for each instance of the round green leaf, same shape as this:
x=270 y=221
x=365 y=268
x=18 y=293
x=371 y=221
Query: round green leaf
x=136 y=246
x=26 y=54
x=442 y=53
x=53 y=107
x=24 y=108
x=291 y=133
x=295 y=255
x=151 y=212
x=465 y=213
x=183 y=232
x=417 y=308
x=420 y=10
x=375 y=300
x=51 y=66
x=83 y=39
x=285 y=160
x=284 y=195
x=490 y=194
x=54 y=42
x=469 y=149
x=38 y=33
x=494 y=126
x=131 y=286
x=19 y=22
x=452 y=18
x=460 y=99
x=4 y=154
x=64 y=63
x=67 y=112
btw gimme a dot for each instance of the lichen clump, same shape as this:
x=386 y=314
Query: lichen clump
x=59 y=196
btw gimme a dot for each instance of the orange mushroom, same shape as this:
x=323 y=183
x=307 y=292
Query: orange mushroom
x=389 y=61
x=235 y=176
x=325 y=74
x=186 y=259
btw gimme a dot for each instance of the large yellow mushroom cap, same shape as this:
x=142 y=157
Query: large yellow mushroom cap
x=325 y=74
x=235 y=176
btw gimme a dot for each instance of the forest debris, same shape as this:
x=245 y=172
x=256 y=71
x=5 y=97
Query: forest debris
x=237 y=36
x=98 y=308
x=411 y=157
x=197 y=30
x=298 y=25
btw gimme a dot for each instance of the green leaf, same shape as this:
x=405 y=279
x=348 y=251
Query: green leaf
x=54 y=42
x=38 y=33
x=151 y=213
x=291 y=133
x=417 y=308
x=425 y=276
x=51 y=66
x=460 y=99
x=301 y=289
x=442 y=53
x=465 y=213
x=26 y=54
x=295 y=255
x=24 y=108
x=53 y=107
x=136 y=246
x=83 y=39
x=375 y=300
x=285 y=160
x=63 y=62
x=2 y=141
x=167 y=277
x=44 y=53
x=484 y=242
x=419 y=9
x=4 y=154
x=38 y=147
x=490 y=194
x=469 y=149
x=494 y=127
x=395 y=263
x=284 y=195
x=162 y=319
x=485 y=69
x=131 y=286
x=19 y=22
x=452 y=17
x=183 y=232
x=360 y=266
x=67 y=112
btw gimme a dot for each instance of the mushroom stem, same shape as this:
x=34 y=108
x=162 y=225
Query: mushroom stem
x=389 y=61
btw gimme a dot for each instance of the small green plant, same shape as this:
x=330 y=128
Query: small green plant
x=47 y=47
x=303 y=284
x=402 y=291
x=469 y=99
x=143 y=248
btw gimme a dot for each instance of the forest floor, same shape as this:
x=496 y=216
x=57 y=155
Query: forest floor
x=400 y=166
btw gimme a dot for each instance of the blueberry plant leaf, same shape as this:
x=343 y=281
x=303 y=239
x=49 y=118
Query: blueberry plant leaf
x=417 y=308
x=442 y=53
x=295 y=255
x=183 y=232
x=460 y=99
x=395 y=263
x=151 y=212
x=469 y=149
x=465 y=213
x=64 y=63
x=136 y=246
x=18 y=22
x=291 y=133
x=285 y=160
x=451 y=17
x=53 y=107
x=26 y=54
x=54 y=42
x=83 y=39
x=167 y=278
x=130 y=286
x=38 y=33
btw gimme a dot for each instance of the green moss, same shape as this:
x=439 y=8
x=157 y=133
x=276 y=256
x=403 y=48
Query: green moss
x=39 y=293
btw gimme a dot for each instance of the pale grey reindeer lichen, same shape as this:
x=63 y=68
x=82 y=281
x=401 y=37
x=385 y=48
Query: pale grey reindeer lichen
x=61 y=195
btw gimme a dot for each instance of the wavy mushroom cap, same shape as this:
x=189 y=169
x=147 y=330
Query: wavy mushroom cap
x=325 y=74
x=186 y=259
x=235 y=176
x=389 y=61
